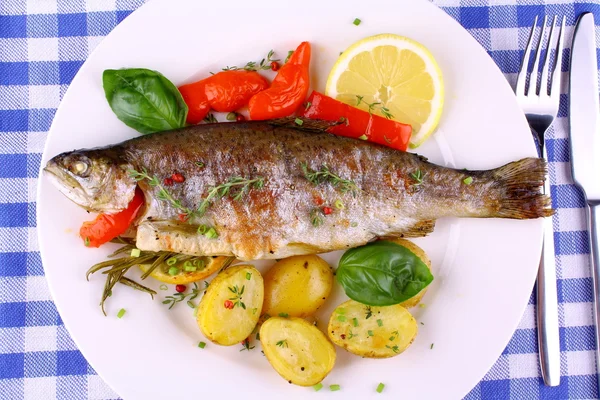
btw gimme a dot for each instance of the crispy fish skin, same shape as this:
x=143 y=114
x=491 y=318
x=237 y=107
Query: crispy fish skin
x=398 y=194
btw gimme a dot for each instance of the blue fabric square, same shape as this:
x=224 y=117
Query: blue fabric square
x=475 y=17
x=13 y=26
x=575 y=290
x=563 y=106
x=13 y=264
x=582 y=387
x=554 y=392
x=13 y=165
x=13 y=214
x=495 y=390
x=577 y=338
x=529 y=387
x=34 y=264
x=523 y=341
x=13 y=73
x=71 y=363
x=507 y=60
x=72 y=25
x=40 y=363
x=33 y=164
x=503 y=17
x=68 y=70
x=121 y=15
x=569 y=196
x=573 y=242
x=42 y=25
x=101 y=23
x=558 y=150
x=527 y=13
x=12 y=315
x=41 y=313
x=40 y=119
x=43 y=73
x=11 y=365
x=31 y=217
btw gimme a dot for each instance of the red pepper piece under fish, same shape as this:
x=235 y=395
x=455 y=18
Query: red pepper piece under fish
x=108 y=226
x=358 y=124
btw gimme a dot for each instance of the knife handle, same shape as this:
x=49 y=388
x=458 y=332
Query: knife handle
x=547 y=303
x=593 y=228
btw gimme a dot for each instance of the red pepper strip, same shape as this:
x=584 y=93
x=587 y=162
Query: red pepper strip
x=108 y=226
x=195 y=98
x=288 y=90
x=358 y=124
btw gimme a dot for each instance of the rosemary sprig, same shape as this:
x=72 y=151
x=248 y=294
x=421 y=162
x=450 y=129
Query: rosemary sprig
x=179 y=297
x=372 y=106
x=235 y=187
x=265 y=64
x=238 y=296
x=418 y=177
x=325 y=175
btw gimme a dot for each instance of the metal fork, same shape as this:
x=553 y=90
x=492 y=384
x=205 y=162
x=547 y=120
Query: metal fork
x=540 y=106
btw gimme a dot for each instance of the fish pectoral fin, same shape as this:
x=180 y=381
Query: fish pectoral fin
x=419 y=229
x=307 y=124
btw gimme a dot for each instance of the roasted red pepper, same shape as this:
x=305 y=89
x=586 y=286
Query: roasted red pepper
x=288 y=90
x=108 y=226
x=195 y=98
x=357 y=123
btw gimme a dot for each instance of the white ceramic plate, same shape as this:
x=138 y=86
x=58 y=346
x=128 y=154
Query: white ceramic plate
x=484 y=269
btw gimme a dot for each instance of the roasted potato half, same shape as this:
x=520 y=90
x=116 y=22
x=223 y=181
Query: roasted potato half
x=297 y=350
x=374 y=332
x=297 y=286
x=230 y=309
x=204 y=267
x=419 y=252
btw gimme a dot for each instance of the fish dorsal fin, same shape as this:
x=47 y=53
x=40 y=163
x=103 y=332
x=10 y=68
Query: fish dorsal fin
x=304 y=124
x=419 y=229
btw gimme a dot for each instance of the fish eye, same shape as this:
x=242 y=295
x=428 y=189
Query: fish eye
x=80 y=168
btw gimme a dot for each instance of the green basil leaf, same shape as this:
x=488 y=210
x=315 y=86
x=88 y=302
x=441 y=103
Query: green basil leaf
x=144 y=99
x=382 y=273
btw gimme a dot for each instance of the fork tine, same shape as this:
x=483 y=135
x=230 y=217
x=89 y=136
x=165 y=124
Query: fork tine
x=546 y=67
x=522 y=77
x=536 y=65
x=557 y=73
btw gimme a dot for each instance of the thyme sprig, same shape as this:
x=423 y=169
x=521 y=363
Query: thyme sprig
x=264 y=64
x=418 y=177
x=282 y=343
x=235 y=187
x=210 y=119
x=179 y=297
x=373 y=106
x=326 y=175
x=369 y=312
x=237 y=299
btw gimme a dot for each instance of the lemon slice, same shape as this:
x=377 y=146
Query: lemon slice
x=398 y=74
x=205 y=266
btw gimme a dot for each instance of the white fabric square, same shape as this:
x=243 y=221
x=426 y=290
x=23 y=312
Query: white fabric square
x=93 y=41
x=41 y=7
x=560 y=172
x=577 y=314
x=14 y=240
x=100 y=5
x=12 y=190
x=42 y=49
x=40 y=338
x=523 y=365
x=37 y=289
x=36 y=141
x=581 y=363
x=14 y=97
x=573 y=266
x=528 y=318
x=97 y=389
x=32 y=190
x=505 y=38
x=39 y=388
x=571 y=219
x=12 y=143
x=44 y=96
x=32 y=239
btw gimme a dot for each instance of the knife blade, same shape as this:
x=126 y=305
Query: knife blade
x=584 y=135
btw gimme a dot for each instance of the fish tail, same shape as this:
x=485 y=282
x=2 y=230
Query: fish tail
x=518 y=190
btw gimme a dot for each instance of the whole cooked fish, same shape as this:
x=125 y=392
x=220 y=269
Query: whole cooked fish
x=272 y=189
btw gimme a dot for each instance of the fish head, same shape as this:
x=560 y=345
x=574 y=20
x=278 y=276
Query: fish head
x=96 y=180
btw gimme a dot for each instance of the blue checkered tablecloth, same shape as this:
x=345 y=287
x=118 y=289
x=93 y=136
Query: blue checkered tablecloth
x=42 y=45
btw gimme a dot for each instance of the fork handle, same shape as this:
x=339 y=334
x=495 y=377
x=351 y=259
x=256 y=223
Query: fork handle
x=547 y=303
x=593 y=213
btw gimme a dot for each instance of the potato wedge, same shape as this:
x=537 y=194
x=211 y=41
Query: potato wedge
x=297 y=286
x=230 y=309
x=419 y=252
x=297 y=350
x=374 y=332
x=205 y=267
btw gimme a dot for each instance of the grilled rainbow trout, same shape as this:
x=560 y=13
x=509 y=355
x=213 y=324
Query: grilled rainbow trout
x=274 y=189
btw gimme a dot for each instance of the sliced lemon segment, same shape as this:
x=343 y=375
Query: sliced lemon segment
x=204 y=267
x=393 y=75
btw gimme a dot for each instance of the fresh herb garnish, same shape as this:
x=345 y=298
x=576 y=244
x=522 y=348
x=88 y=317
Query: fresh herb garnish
x=325 y=175
x=282 y=343
x=86 y=242
x=334 y=388
x=355 y=321
x=379 y=322
x=318 y=386
x=202 y=345
x=431 y=347
x=246 y=345
x=363 y=137
x=283 y=315
x=394 y=336
x=351 y=335
x=417 y=176
x=307 y=105
x=121 y=313
x=316 y=217
x=468 y=180
x=298 y=121
x=289 y=54
x=235 y=187
x=210 y=119
x=373 y=106
x=237 y=299
x=380 y=388
x=265 y=64
x=163 y=287
x=369 y=312
x=370 y=333
x=248 y=276
x=200 y=164
x=357 y=21
x=179 y=297
x=394 y=348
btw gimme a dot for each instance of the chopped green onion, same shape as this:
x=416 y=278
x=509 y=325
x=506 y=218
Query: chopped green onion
x=379 y=322
x=86 y=242
x=135 y=252
x=211 y=234
x=248 y=276
x=198 y=263
x=231 y=116
x=290 y=52
x=173 y=271
x=318 y=386
x=370 y=333
x=121 y=313
x=187 y=263
x=380 y=387
x=202 y=229
x=357 y=21
x=422 y=305
x=200 y=164
x=363 y=137
x=171 y=261
x=284 y=315
x=338 y=204
x=431 y=347
x=468 y=180
x=299 y=122
x=341 y=310
x=334 y=388
x=341 y=318
x=189 y=268
x=307 y=105
x=355 y=320
x=163 y=287
x=202 y=345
